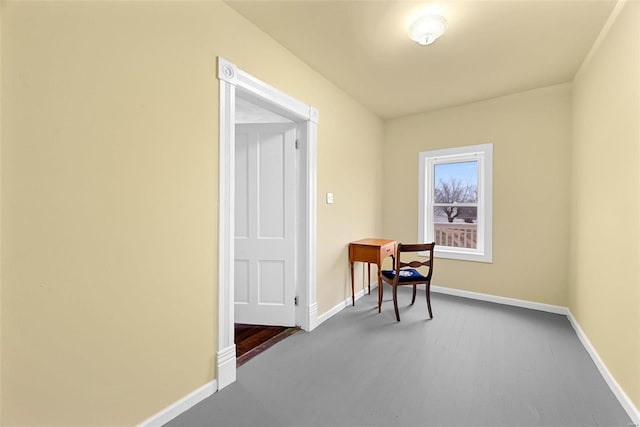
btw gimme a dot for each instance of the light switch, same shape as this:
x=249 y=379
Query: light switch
x=329 y=198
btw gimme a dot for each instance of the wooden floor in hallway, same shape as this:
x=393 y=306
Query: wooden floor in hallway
x=251 y=340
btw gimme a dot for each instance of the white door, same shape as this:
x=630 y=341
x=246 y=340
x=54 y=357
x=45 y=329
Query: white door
x=265 y=212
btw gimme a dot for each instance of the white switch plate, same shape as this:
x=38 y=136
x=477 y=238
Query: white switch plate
x=329 y=198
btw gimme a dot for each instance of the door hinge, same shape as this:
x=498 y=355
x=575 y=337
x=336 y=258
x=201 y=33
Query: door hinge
x=297 y=144
x=295 y=300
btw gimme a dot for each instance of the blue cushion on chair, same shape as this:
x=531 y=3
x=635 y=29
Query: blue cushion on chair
x=406 y=275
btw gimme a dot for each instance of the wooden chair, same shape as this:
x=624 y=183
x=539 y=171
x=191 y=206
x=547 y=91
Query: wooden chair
x=402 y=276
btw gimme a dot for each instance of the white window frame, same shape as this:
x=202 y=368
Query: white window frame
x=483 y=154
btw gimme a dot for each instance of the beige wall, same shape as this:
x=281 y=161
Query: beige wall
x=109 y=199
x=108 y=202
x=604 y=292
x=348 y=164
x=530 y=136
x=1 y=7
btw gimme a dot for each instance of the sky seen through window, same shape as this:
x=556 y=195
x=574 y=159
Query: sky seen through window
x=466 y=172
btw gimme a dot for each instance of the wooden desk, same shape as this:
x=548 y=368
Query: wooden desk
x=370 y=250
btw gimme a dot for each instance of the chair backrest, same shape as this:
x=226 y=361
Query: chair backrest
x=416 y=247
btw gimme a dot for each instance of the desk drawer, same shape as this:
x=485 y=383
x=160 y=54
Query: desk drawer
x=387 y=250
x=364 y=253
x=375 y=254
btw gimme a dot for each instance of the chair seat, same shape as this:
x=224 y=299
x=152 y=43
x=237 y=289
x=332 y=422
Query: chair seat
x=406 y=275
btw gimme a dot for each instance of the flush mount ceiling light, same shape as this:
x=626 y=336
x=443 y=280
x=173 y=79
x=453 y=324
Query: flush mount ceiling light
x=426 y=29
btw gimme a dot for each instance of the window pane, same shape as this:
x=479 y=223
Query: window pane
x=450 y=214
x=456 y=226
x=456 y=182
x=455 y=201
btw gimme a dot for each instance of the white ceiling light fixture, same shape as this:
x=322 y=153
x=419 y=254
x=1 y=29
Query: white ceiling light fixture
x=426 y=29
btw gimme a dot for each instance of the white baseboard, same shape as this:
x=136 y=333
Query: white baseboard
x=622 y=397
x=312 y=317
x=342 y=305
x=207 y=390
x=459 y=293
x=182 y=405
x=502 y=300
x=226 y=366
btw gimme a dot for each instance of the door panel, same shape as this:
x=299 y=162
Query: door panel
x=241 y=273
x=271 y=282
x=242 y=186
x=265 y=224
x=271 y=191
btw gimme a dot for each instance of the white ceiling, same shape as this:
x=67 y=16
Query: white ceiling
x=491 y=47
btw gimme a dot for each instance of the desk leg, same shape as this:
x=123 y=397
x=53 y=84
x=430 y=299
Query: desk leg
x=369 y=276
x=353 y=296
x=379 y=289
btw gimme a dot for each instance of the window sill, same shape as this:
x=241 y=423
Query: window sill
x=461 y=255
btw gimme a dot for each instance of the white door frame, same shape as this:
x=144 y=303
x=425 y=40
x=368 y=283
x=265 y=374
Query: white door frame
x=233 y=79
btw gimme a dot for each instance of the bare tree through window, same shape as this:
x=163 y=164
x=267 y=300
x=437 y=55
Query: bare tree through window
x=456 y=204
x=455 y=191
x=455 y=201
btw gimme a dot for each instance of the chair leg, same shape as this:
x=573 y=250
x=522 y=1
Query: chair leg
x=429 y=300
x=413 y=299
x=395 y=302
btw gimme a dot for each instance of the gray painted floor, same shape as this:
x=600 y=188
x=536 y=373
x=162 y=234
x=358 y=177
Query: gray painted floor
x=474 y=364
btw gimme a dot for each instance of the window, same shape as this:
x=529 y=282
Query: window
x=455 y=201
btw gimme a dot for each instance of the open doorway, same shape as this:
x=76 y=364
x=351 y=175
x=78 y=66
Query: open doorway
x=236 y=84
x=266 y=214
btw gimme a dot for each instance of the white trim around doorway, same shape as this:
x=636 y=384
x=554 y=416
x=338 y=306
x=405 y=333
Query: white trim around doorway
x=233 y=81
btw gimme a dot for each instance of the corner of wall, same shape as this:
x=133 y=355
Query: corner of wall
x=1 y=346
x=603 y=34
x=604 y=251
